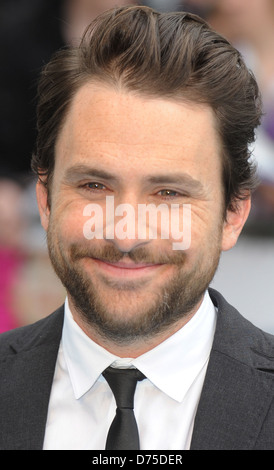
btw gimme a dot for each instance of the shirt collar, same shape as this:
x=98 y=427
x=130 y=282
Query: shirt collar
x=85 y=359
x=172 y=366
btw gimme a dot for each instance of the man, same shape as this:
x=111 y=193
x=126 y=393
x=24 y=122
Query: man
x=152 y=110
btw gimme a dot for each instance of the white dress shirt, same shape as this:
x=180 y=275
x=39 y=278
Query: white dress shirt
x=82 y=406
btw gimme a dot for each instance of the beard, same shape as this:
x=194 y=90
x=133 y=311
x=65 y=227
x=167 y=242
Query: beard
x=162 y=307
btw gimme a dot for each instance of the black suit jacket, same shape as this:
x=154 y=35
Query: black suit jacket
x=235 y=411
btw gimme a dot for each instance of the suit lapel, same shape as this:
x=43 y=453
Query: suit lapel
x=237 y=391
x=31 y=363
x=232 y=408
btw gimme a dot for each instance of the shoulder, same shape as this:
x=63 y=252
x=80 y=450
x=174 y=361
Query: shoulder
x=240 y=339
x=26 y=337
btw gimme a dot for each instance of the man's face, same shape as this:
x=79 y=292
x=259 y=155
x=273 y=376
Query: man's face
x=139 y=151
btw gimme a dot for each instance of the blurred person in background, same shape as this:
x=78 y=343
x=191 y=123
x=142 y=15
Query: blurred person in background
x=12 y=225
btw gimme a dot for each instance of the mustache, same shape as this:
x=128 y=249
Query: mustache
x=139 y=254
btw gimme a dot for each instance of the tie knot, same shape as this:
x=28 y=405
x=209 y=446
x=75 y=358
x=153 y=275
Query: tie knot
x=123 y=383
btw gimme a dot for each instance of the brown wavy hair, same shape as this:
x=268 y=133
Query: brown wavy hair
x=169 y=55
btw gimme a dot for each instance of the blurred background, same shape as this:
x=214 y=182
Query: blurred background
x=30 y=32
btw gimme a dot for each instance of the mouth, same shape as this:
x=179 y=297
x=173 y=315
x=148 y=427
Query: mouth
x=128 y=269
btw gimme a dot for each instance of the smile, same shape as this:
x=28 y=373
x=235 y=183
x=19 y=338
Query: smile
x=126 y=270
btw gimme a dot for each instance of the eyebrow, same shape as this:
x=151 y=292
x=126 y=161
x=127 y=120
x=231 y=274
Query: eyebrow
x=183 y=179
x=78 y=172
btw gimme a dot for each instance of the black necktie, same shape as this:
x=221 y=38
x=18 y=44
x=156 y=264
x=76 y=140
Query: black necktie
x=123 y=432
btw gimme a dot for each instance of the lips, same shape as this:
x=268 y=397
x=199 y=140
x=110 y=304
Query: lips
x=130 y=265
x=126 y=269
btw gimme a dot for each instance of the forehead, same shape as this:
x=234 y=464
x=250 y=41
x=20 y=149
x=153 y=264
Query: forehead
x=114 y=127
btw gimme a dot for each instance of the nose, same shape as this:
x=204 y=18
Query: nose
x=122 y=228
x=126 y=245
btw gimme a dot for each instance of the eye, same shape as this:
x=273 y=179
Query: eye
x=94 y=186
x=168 y=193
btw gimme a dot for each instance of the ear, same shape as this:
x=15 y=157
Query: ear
x=234 y=223
x=43 y=206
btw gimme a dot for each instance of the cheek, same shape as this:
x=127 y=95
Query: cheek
x=68 y=221
x=180 y=227
x=206 y=233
